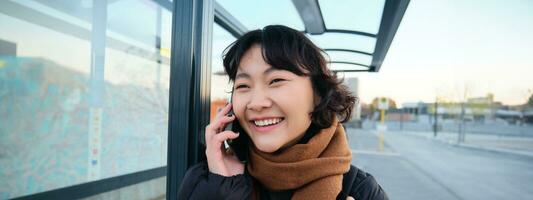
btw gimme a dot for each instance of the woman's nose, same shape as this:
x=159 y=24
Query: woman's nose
x=259 y=101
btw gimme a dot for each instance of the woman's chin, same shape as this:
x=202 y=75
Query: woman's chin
x=266 y=148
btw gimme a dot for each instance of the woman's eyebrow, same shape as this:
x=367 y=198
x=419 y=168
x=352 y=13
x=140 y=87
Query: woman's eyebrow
x=270 y=70
x=242 y=75
x=247 y=76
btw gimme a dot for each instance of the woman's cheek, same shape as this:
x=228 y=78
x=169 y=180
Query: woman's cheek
x=282 y=95
x=239 y=104
x=287 y=98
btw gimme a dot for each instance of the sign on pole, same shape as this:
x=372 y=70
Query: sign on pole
x=383 y=103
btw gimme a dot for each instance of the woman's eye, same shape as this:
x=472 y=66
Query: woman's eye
x=276 y=80
x=241 y=86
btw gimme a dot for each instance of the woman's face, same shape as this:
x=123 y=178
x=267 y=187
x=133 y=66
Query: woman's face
x=273 y=106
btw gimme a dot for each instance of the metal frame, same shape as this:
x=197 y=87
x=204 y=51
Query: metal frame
x=349 y=63
x=349 y=50
x=181 y=73
x=390 y=20
x=202 y=84
x=351 y=32
x=97 y=187
x=192 y=27
x=228 y=22
x=165 y=4
x=311 y=15
x=393 y=12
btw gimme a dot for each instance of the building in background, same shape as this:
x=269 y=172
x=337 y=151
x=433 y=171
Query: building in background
x=353 y=85
x=483 y=110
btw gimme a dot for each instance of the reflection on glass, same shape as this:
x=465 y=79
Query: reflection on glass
x=258 y=14
x=83 y=91
x=344 y=41
x=220 y=85
x=358 y=15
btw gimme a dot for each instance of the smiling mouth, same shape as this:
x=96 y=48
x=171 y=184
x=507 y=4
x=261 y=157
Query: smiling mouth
x=267 y=122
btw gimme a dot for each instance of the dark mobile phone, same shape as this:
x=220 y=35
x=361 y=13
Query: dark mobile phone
x=239 y=145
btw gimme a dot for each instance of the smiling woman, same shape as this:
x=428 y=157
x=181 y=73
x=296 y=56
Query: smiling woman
x=289 y=107
x=265 y=104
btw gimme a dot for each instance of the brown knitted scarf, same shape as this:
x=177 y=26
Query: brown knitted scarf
x=314 y=169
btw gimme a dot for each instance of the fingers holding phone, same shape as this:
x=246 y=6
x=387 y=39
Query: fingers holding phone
x=218 y=160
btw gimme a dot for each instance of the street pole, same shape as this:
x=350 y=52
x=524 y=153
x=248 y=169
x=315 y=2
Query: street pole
x=462 y=124
x=383 y=104
x=381 y=136
x=435 y=116
x=401 y=119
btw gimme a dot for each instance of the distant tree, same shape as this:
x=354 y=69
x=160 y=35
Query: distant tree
x=530 y=101
x=392 y=103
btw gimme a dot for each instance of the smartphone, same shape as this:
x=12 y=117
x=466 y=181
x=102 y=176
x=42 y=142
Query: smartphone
x=239 y=145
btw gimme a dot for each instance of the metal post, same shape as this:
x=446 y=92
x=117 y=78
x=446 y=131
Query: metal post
x=192 y=23
x=435 y=116
x=181 y=67
x=462 y=124
x=98 y=43
x=381 y=136
x=401 y=119
x=201 y=106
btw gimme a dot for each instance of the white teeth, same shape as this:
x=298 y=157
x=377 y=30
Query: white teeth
x=267 y=122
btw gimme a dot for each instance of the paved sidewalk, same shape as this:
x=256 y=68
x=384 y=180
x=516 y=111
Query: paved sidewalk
x=496 y=143
x=414 y=165
x=400 y=178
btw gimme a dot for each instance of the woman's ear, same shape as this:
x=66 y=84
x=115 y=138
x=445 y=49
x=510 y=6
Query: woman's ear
x=316 y=99
x=316 y=95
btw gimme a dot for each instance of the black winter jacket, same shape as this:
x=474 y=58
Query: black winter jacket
x=199 y=183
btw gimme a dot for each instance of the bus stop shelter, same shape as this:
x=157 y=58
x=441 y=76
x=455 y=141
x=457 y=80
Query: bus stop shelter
x=365 y=52
x=176 y=38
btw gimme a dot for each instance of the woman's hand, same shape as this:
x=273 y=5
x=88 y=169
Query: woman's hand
x=218 y=161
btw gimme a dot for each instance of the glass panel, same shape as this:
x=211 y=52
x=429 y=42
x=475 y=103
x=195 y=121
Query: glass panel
x=349 y=57
x=342 y=66
x=91 y=102
x=258 y=14
x=359 y=15
x=344 y=41
x=220 y=86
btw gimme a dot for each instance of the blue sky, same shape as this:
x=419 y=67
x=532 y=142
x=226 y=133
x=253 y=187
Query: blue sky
x=441 y=47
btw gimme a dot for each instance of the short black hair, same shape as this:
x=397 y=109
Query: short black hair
x=287 y=49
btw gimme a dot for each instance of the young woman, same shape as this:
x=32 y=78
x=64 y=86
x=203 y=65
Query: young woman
x=289 y=107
